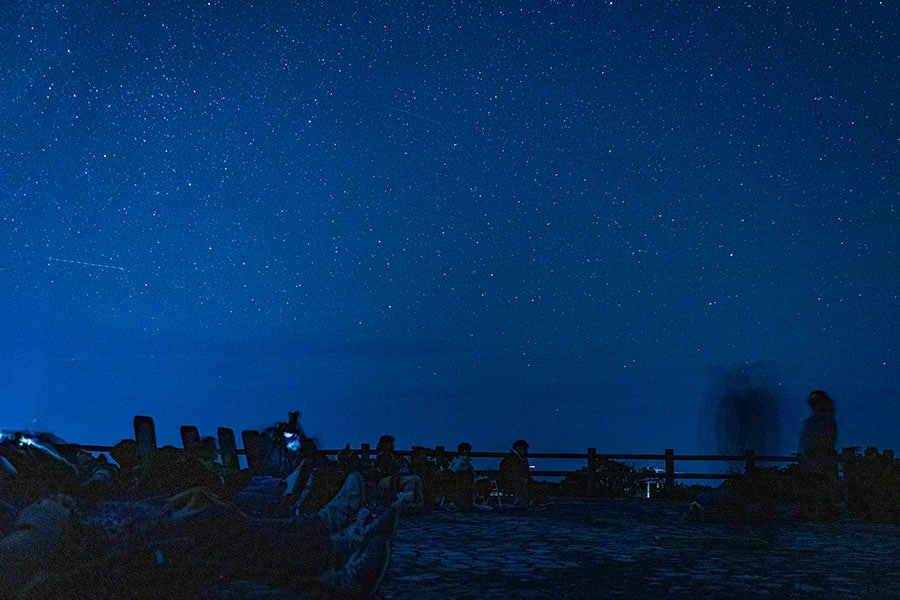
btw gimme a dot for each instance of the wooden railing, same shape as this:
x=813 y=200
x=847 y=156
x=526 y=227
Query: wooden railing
x=229 y=452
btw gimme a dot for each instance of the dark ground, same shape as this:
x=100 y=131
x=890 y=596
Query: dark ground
x=636 y=548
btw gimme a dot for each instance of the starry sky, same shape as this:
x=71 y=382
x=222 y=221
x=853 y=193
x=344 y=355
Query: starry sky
x=447 y=220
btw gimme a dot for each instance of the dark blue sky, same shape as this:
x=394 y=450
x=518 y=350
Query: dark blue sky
x=447 y=221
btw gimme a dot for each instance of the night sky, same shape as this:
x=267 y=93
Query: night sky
x=447 y=221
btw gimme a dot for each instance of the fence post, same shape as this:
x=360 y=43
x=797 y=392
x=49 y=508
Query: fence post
x=250 y=440
x=365 y=451
x=145 y=435
x=592 y=470
x=670 y=469
x=750 y=463
x=228 y=449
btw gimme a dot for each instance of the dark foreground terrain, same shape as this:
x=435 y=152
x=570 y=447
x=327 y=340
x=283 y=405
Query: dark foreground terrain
x=636 y=548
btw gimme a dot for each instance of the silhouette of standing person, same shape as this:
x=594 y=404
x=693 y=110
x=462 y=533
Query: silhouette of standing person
x=818 y=458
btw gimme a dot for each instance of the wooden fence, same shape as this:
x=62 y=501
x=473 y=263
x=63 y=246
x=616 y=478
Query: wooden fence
x=145 y=435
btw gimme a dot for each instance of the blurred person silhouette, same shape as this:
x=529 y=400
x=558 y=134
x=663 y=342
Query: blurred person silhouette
x=392 y=472
x=423 y=465
x=744 y=402
x=515 y=477
x=279 y=447
x=818 y=457
x=270 y=490
x=459 y=480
